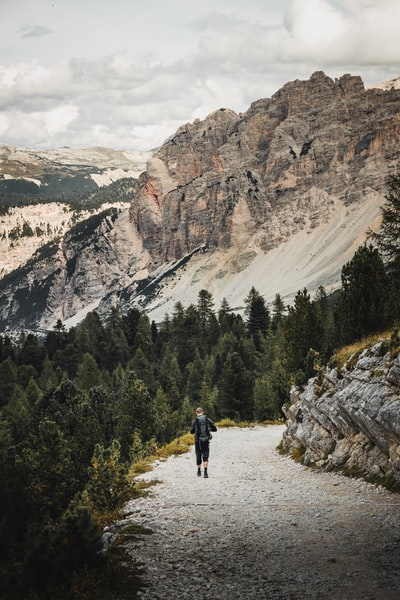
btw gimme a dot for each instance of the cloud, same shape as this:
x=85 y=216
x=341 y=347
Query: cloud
x=32 y=31
x=352 y=32
x=58 y=119
x=136 y=96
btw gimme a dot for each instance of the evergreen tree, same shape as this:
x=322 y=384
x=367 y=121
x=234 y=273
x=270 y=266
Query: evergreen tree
x=108 y=486
x=225 y=317
x=265 y=398
x=8 y=380
x=90 y=338
x=257 y=313
x=278 y=312
x=134 y=410
x=77 y=541
x=56 y=340
x=144 y=337
x=68 y=359
x=388 y=238
x=208 y=398
x=48 y=378
x=170 y=377
x=142 y=366
x=32 y=353
x=184 y=416
x=205 y=306
x=194 y=374
x=303 y=331
x=51 y=481
x=101 y=408
x=19 y=412
x=130 y=323
x=365 y=290
x=164 y=428
x=116 y=345
x=235 y=397
x=89 y=374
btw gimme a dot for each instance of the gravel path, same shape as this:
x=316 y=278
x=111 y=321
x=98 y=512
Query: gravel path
x=262 y=526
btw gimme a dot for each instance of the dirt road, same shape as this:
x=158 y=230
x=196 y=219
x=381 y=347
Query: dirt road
x=264 y=527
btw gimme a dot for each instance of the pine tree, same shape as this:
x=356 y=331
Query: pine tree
x=89 y=374
x=51 y=481
x=108 y=486
x=364 y=294
x=164 y=427
x=278 y=312
x=133 y=410
x=257 y=313
x=205 y=306
x=388 y=238
x=8 y=380
x=265 y=398
x=235 y=397
x=194 y=374
x=303 y=331
x=19 y=411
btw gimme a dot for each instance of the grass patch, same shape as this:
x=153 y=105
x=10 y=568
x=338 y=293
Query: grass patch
x=354 y=350
x=226 y=423
x=298 y=453
x=178 y=446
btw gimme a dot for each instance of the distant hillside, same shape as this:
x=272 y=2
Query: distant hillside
x=28 y=223
x=65 y=171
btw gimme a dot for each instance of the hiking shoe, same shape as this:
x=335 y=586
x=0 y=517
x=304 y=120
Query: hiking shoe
x=205 y=474
x=199 y=473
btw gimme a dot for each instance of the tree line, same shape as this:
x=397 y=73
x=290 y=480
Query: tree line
x=79 y=405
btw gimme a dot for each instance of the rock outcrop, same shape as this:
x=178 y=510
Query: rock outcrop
x=349 y=418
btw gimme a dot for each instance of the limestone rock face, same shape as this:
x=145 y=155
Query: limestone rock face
x=286 y=162
x=352 y=420
x=279 y=197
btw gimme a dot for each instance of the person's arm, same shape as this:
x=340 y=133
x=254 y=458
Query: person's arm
x=193 y=426
x=212 y=425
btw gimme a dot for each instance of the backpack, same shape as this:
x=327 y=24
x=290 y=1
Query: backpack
x=203 y=429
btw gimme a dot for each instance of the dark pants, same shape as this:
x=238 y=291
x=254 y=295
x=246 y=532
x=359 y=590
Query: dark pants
x=202 y=451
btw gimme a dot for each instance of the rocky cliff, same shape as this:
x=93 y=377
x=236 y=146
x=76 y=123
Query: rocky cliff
x=349 y=419
x=279 y=197
x=285 y=165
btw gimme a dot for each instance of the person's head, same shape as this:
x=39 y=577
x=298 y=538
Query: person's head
x=199 y=411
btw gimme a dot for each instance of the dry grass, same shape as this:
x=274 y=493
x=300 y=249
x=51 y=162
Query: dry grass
x=355 y=349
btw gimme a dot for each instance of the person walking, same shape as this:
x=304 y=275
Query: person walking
x=201 y=427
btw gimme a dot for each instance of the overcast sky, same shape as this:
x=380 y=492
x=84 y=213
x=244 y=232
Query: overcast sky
x=127 y=73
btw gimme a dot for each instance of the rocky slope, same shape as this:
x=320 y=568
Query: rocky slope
x=25 y=229
x=44 y=193
x=279 y=197
x=350 y=419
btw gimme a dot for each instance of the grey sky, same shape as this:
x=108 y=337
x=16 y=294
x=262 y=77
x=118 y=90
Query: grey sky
x=127 y=74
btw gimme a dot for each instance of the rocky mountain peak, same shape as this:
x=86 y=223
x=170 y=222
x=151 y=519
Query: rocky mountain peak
x=278 y=197
x=303 y=97
x=287 y=156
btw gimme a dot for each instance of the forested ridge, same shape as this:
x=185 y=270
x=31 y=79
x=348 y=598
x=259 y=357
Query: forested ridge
x=121 y=190
x=78 y=406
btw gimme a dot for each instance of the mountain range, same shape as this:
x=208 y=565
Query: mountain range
x=279 y=198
